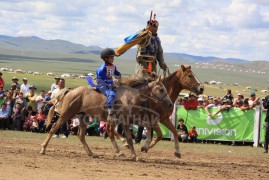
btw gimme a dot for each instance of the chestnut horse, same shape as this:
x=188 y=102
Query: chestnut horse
x=87 y=101
x=181 y=79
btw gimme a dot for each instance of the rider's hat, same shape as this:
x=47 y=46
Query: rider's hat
x=107 y=52
x=153 y=22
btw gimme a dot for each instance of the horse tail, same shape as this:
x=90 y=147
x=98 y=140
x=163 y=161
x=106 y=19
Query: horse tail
x=50 y=116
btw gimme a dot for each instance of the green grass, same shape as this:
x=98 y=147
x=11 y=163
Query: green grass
x=60 y=63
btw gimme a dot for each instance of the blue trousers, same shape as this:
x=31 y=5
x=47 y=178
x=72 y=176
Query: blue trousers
x=110 y=94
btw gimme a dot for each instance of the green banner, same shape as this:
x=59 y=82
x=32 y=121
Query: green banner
x=164 y=130
x=262 y=136
x=232 y=125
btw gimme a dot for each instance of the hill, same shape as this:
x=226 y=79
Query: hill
x=59 y=56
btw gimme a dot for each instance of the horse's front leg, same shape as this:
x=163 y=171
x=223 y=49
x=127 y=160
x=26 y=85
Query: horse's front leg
x=167 y=123
x=111 y=135
x=81 y=136
x=129 y=138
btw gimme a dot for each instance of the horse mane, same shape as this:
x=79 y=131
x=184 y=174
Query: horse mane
x=135 y=82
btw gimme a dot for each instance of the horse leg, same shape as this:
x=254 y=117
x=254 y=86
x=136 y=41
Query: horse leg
x=148 y=141
x=130 y=141
x=167 y=123
x=111 y=134
x=158 y=138
x=81 y=136
x=118 y=136
x=52 y=131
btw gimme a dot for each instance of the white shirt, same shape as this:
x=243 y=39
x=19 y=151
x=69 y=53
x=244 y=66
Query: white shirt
x=75 y=122
x=39 y=104
x=53 y=87
x=53 y=95
x=25 y=89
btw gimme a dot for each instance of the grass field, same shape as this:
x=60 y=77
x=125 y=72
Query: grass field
x=60 y=63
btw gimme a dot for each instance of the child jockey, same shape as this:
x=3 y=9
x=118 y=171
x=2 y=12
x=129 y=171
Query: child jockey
x=105 y=81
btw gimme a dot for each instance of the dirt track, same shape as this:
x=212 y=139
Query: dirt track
x=20 y=159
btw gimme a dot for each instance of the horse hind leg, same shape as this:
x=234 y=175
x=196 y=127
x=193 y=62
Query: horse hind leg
x=81 y=136
x=111 y=134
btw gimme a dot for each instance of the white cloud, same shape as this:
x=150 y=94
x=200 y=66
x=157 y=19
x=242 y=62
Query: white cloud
x=225 y=28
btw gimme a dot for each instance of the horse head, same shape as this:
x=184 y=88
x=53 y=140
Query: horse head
x=159 y=93
x=189 y=80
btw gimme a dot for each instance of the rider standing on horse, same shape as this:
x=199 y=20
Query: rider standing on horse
x=150 y=52
x=105 y=75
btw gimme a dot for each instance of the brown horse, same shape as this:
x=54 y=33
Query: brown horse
x=181 y=79
x=87 y=101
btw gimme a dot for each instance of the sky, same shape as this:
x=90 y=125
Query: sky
x=221 y=28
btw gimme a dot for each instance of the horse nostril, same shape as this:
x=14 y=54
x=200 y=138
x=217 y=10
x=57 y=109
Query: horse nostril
x=170 y=105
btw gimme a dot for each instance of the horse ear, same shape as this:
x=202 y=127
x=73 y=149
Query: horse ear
x=183 y=68
x=188 y=67
x=159 y=78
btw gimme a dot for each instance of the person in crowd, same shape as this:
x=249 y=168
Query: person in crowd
x=28 y=119
x=180 y=101
x=4 y=117
x=21 y=100
x=192 y=103
x=17 y=117
x=245 y=105
x=182 y=131
x=25 y=87
x=74 y=126
x=206 y=103
x=55 y=85
x=40 y=99
x=2 y=96
x=102 y=129
x=214 y=104
x=15 y=80
x=266 y=106
x=200 y=102
x=46 y=102
x=57 y=102
x=35 y=126
x=193 y=134
x=238 y=101
x=228 y=96
x=8 y=102
x=15 y=94
x=93 y=123
x=253 y=101
x=41 y=118
x=2 y=81
x=226 y=106
x=31 y=98
x=12 y=88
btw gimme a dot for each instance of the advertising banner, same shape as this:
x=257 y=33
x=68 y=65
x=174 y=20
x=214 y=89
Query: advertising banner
x=228 y=125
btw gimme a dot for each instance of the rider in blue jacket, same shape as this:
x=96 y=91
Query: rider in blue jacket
x=105 y=75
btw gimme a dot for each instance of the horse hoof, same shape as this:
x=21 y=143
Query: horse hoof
x=144 y=149
x=126 y=145
x=178 y=155
x=121 y=155
x=42 y=152
x=134 y=157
